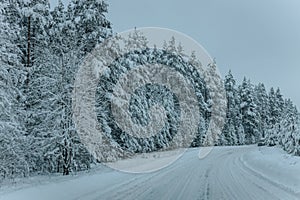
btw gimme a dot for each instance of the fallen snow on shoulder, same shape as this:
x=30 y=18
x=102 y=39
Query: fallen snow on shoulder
x=14 y=185
x=276 y=166
x=243 y=172
x=147 y=162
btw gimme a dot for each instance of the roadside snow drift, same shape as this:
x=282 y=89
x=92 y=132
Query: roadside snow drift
x=246 y=172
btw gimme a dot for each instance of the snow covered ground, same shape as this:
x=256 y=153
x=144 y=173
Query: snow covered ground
x=246 y=172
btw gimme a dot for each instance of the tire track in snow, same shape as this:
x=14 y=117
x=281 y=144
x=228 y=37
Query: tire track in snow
x=261 y=179
x=223 y=174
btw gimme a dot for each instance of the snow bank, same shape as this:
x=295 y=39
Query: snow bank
x=149 y=162
x=276 y=166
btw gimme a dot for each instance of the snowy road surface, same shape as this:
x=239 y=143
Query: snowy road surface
x=248 y=172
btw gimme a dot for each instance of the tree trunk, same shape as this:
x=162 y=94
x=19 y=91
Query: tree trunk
x=28 y=43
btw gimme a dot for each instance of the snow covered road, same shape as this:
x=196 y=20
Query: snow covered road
x=247 y=172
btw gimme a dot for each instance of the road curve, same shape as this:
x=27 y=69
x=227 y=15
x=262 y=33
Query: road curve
x=221 y=175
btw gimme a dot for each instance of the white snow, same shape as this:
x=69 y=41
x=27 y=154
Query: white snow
x=147 y=162
x=245 y=172
x=275 y=165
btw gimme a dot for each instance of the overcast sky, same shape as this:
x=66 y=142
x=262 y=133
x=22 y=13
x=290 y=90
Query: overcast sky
x=259 y=39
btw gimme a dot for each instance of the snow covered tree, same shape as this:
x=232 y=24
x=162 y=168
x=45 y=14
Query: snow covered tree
x=180 y=50
x=230 y=130
x=274 y=110
x=35 y=21
x=289 y=135
x=52 y=46
x=92 y=27
x=40 y=52
x=263 y=108
x=12 y=141
x=296 y=136
x=203 y=123
x=216 y=98
x=51 y=86
x=171 y=48
x=147 y=96
x=249 y=112
x=76 y=32
x=276 y=104
x=136 y=41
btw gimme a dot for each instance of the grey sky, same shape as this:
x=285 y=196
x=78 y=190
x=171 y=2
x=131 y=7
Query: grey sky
x=259 y=39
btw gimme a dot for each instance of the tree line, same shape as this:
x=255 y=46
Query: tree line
x=40 y=52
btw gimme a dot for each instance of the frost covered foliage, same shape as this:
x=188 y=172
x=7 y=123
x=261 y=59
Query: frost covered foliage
x=40 y=52
x=147 y=96
x=12 y=141
x=254 y=115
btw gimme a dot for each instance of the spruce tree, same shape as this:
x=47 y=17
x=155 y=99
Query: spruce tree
x=263 y=108
x=231 y=126
x=92 y=27
x=13 y=155
x=249 y=112
x=216 y=98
